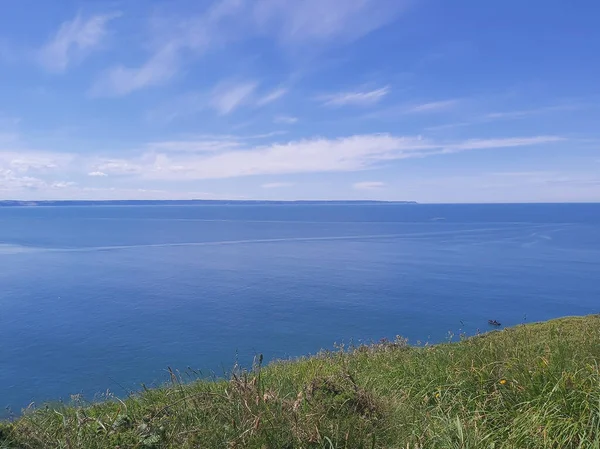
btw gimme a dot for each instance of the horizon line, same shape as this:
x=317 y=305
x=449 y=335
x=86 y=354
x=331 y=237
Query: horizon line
x=199 y=200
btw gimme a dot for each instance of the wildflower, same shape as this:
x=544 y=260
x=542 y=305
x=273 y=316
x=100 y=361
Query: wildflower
x=502 y=381
x=437 y=395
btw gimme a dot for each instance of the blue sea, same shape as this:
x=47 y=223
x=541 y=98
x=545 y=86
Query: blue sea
x=98 y=298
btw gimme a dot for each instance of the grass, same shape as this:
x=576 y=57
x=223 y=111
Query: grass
x=531 y=386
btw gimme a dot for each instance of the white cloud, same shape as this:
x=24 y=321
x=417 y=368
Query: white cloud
x=11 y=181
x=27 y=174
x=209 y=143
x=448 y=126
x=507 y=115
x=228 y=157
x=276 y=185
x=434 y=106
x=530 y=112
x=368 y=185
x=480 y=144
x=271 y=97
x=367 y=98
x=37 y=189
x=193 y=35
x=311 y=21
x=296 y=23
x=285 y=119
x=26 y=161
x=74 y=40
x=62 y=184
x=120 y=80
x=265 y=135
x=187 y=104
x=118 y=167
x=351 y=153
x=227 y=97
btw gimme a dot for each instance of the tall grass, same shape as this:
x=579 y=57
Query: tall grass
x=533 y=386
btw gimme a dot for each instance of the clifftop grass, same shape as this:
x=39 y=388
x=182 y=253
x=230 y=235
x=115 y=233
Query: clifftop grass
x=532 y=386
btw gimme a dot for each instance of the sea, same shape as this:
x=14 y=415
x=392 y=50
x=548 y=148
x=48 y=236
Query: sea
x=98 y=300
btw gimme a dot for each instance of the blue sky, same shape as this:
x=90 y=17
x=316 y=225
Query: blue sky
x=427 y=100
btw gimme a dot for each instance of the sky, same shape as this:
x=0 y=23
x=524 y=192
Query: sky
x=424 y=100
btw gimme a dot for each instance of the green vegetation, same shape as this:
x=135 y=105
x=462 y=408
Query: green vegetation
x=532 y=386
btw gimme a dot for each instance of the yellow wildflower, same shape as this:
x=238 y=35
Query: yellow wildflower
x=503 y=382
x=437 y=395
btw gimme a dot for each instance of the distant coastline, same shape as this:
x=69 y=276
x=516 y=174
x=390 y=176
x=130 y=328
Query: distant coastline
x=20 y=203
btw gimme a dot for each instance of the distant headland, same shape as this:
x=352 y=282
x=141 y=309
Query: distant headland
x=19 y=203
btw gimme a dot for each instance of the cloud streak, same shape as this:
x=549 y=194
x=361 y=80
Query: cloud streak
x=345 y=154
x=214 y=157
x=191 y=35
x=74 y=40
x=271 y=97
x=285 y=119
x=434 y=106
x=227 y=97
x=310 y=21
x=121 y=80
x=507 y=115
x=276 y=185
x=292 y=24
x=356 y=98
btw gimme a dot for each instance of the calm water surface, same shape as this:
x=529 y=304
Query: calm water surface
x=96 y=298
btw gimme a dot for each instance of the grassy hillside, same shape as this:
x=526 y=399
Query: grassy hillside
x=533 y=386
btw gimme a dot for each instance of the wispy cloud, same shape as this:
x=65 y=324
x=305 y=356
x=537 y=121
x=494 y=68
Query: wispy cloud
x=285 y=119
x=14 y=182
x=392 y=112
x=310 y=21
x=74 y=40
x=271 y=96
x=121 y=80
x=277 y=185
x=224 y=98
x=119 y=167
x=28 y=161
x=207 y=143
x=227 y=97
x=304 y=156
x=481 y=144
x=264 y=135
x=196 y=146
x=530 y=112
x=29 y=170
x=368 y=185
x=45 y=174
x=177 y=36
x=366 y=98
x=297 y=24
x=434 y=106
x=507 y=115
